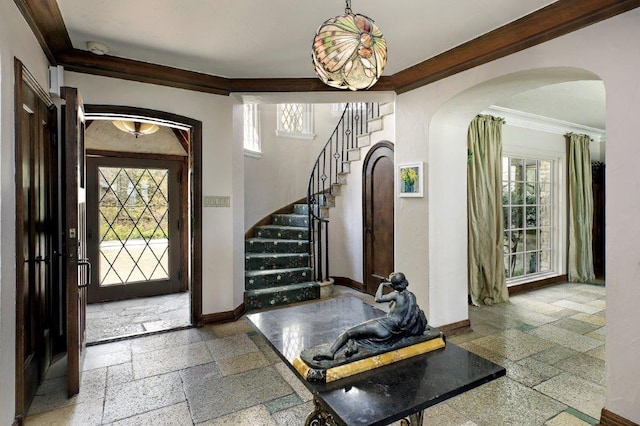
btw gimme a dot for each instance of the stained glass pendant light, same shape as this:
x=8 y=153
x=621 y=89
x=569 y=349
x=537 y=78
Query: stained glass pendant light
x=136 y=128
x=349 y=51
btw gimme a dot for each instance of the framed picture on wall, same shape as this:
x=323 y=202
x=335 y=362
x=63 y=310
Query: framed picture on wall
x=410 y=180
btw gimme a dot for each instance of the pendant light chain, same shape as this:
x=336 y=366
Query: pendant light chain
x=347 y=10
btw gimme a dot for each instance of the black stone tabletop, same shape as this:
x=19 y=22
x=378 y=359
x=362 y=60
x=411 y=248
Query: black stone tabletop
x=380 y=396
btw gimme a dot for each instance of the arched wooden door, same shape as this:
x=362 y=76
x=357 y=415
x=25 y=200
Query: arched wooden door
x=378 y=222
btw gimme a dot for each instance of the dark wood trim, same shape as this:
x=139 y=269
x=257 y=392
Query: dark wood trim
x=20 y=402
x=228 y=316
x=45 y=20
x=533 y=285
x=249 y=233
x=183 y=138
x=140 y=155
x=348 y=282
x=18 y=421
x=194 y=187
x=555 y=20
x=297 y=85
x=128 y=69
x=456 y=328
x=607 y=418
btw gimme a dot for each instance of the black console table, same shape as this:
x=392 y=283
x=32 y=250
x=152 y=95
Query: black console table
x=381 y=396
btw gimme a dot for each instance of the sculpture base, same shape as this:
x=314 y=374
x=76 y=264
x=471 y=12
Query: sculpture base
x=362 y=364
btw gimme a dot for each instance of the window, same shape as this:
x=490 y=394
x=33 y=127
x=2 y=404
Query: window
x=295 y=121
x=527 y=186
x=251 y=135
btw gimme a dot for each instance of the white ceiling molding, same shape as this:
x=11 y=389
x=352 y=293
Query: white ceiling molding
x=544 y=124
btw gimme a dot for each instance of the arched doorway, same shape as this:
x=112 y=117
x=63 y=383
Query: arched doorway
x=378 y=214
x=145 y=172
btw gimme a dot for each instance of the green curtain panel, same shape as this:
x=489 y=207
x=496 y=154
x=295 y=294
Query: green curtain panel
x=580 y=261
x=487 y=283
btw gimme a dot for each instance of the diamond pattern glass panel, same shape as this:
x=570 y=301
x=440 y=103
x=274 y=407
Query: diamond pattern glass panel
x=292 y=118
x=133 y=211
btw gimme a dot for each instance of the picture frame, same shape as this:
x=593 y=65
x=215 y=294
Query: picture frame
x=410 y=180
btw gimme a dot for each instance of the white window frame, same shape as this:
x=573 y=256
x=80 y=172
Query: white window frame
x=307 y=123
x=251 y=131
x=558 y=205
x=556 y=243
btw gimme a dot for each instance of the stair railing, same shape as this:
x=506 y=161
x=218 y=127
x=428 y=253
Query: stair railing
x=324 y=179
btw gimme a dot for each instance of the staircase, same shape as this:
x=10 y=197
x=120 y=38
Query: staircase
x=287 y=260
x=277 y=270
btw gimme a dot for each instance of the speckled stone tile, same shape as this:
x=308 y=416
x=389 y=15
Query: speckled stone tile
x=566 y=338
x=584 y=366
x=242 y=363
x=596 y=336
x=294 y=416
x=484 y=329
x=257 y=415
x=230 y=328
x=52 y=393
x=505 y=402
x=492 y=316
x=513 y=344
x=230 y=346
x=266 y=350
x=600 y=303
x=296 y=384
x=531 y=304
x=99 y=360
x=581 y=394
x=584 y=297
x=443 y=415
x=484 y=352
x=565 y=419
x=580 y=307
x=592 y=319
x=554 y=355
x=165 y=340
x=598 y=352
x=208 y=396
x=464 y=337
x=141 y=396
x=170 y=359
x=283 y=403
x=173 y=415
x=85 y=414
x=529 y=371
x=120 y=373
x=577 y=326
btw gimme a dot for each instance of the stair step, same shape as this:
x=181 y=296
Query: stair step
x=374 y=125
x=353 y=154
x=275 y=245
x=300 y=209
x=282 y=232
x=342 y=178
x=283 y=295
x=335 y=188
x=364 y=140
x=254 y=280
x=291 y=219
x=346 y=167
x=387 y=108
x=264 y=261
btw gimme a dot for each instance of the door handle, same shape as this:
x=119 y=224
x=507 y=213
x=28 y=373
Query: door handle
x=85 y=263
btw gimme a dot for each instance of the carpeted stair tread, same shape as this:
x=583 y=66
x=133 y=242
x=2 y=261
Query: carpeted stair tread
x=287 y=287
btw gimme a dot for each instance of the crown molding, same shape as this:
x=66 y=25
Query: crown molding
x=527 y=120
x=557 y=19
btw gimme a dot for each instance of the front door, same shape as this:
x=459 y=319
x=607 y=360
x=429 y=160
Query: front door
x=378 y=222
x=76 y=266
x=133 y=232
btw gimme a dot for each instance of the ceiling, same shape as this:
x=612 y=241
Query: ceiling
x=226 y=46
x=272 y=39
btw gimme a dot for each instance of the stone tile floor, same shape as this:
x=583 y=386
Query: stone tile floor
x=132 y=317
x=550 y=340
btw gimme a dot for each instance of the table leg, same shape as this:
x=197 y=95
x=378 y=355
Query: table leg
x=415 y=419
x=319 y=417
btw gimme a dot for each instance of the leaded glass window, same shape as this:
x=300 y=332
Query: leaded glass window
x=295 y=120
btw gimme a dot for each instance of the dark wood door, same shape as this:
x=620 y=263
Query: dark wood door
x=134 y=211
x=378 y=222
x=35 y=155
x=76 y=267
